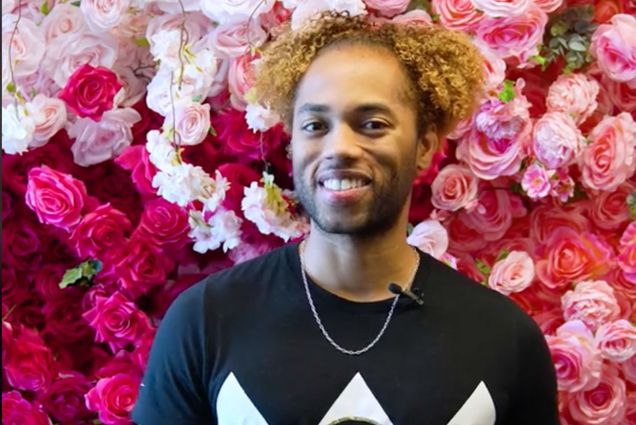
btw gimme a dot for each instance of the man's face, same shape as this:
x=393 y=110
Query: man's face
x=354 y=141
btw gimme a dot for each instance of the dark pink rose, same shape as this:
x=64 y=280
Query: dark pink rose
x=113 y=398
x=89 y=92
x=100 y=231
x=30 y=364
x=142 y=265
x=7 y=339
x=64 y=399
x=18 y=411
x=7 y=204
x=57 y=198
x=117 y=321
x=136 y=160
x=64 y=319
x=21 y=247
x=14 y=291
x=47 y=280
x=164 y=223
x=239 y=176
x=121 y=362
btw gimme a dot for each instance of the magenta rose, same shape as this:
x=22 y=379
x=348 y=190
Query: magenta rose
x=30 y=364
x=136 y=160
x=18 y=411
x=592 y=302
x=614 y=47
x=21 y=245
x=113 y=398
x=64 y=399
x=89 y=92
x=100 y=231
x=556 y=140
x=164 y=223
x=57 y=198
x=64 y=319
x=117 y=321
x=616 y=340
x=604 y=404
x=454 y=187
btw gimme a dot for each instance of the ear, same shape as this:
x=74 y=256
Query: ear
x=427 y=145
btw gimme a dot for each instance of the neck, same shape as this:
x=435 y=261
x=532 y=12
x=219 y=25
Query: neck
x=360 y=268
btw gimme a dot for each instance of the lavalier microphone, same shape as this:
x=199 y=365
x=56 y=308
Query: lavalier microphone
x=397 y=290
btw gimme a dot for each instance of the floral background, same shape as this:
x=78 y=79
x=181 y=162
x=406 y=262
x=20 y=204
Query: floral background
x=135 y=163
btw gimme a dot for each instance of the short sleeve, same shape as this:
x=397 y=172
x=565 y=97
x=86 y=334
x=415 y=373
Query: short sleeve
x=173 y=388
x=535 y=399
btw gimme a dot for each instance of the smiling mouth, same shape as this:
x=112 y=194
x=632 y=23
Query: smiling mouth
x=343 y=184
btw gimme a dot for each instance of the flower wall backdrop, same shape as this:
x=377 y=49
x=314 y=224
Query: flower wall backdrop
x=135 y=163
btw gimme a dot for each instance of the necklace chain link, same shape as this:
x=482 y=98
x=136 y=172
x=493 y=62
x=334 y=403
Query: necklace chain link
x=322 y=326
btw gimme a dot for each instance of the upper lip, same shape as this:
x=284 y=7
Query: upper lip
x=343 y=174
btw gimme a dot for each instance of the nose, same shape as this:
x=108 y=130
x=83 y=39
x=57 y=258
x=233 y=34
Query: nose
x=341 y=142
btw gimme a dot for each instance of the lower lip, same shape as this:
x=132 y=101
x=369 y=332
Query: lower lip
x=342 y=196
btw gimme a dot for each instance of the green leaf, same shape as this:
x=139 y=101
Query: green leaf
x=508 y=92
x=45 y=8
x=197 y=99
x=82 y=274
x=559 y=28
x=75 y=3
x=539 y=60
x=482 y=267
x=631 y=205
x=142 y=42
x=577 y=45
x=213 y=131
x=71 y=277
x=11 y=88
x=503 y=254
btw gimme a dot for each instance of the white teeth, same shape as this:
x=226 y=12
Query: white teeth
x=344 y=184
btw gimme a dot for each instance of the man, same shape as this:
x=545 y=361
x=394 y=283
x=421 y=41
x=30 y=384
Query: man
x=311 y=333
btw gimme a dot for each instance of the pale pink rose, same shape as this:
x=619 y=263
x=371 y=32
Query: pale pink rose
x=502 y=8
x=388 y=7
x=103 y=15
x=430 y=237
x=608 y=210
x=616 y=340
x=614 y=46
x=556 y=140
x=63 y=19
x=413 y=17
x=454 y=187
x=602 y=405
x=173 y=7
x=193 y=122
x=306 y=9
x=514 y=36
x=576 y=359
x=462 y=128
x=629 y=369
x=610 y=158
x=562 y=185
x=493 y=215
x=240 y=80
x=49 y=116
x=457 y=14
x=235 y=10
x=574 y=94
x=236 y=39
x=593 y=302
x=536 y=181
x=27 y=47
x=622 y=95
x=548 y=5
x=196 y=25
x=495 y=68
x=97 y=142
x=512 y=274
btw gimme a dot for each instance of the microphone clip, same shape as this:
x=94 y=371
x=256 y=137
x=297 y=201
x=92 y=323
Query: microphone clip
x=397 y=290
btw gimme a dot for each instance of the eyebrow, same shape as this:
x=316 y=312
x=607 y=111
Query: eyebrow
x=363 y=108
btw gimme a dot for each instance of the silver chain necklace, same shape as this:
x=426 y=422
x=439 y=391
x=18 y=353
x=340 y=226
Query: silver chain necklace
x=322 y=327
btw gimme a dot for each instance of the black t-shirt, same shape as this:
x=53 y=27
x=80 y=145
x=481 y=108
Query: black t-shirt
x=242 y=347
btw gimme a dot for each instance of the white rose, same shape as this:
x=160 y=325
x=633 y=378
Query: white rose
x=181 y=184
x=97 y=142
x=27 y=47
x=512 y=274
x=103 y=15
x=192 y=122
x=17 y=129
x=164 y=46
x=160 y=149
x=49 y=116
x=63 y=19
x=306 y=9
x=431 y=237
x=235 y=10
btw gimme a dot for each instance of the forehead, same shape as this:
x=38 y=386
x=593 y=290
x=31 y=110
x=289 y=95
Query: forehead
x=345 y=76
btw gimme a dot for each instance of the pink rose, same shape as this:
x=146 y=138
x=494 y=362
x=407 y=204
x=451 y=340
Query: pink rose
x=572 y=256
x=430 y=237
x=604 y=404
x=627 y=261
x=622 y=95
x=512 y=274
x=192 y=122
x=616 y=340
x=495 y=69
x=577 y=361
x=608 y=210
x=240 y=79
x=492 y=158
x=142 y=266
x=514 y=36
x=64 y=321
x=556 y=140
x=388 y=7
x=575 y=94
x=89 y=92
x=502 y=9
x=493 y=215
x=18 y=411
x=610 y=158
x=546 y=219
x=548 y=5
x=49 y=116
x=57 y=199
x=591 y=301
x=117 y=321
x=96 y=142
x=30 y=364
x=236 y=39
x=64 y=399
x=102 y=16
x=236 y=11
x=164 y=223
x=504 y=120
x=27 y=48
x=629 y=369
x=100 y=231
x=454 y=188
x=614 y=47
x=457 y=14
x=536 y=181
x=413 y=17
x=113 y=398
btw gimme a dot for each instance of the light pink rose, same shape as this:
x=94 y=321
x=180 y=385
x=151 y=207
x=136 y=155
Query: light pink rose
x=536 y=181
x=576 y=359
x=462 y=128
x=97 y=142
x=49 y=116
x=610 y=158
x=240 y=80
x=27 y=48
x=556 y=140
x=602 y=405
x=431 y=237
x=495 y=68
x=608 y=210
x=616 y=340
x=512 y=274
x=502 y=8
x=457 y=14
x=413 y=17
x=196 y=25
x=236 y=39
x=622 y=95
x=193 y=122
x=63 y=19
x=514 y=36
x=235 y=10
x=504 y=120
x=614 y=47
x=113 y=398
x=593 y=302
x=388 y=7
x=454 y=187
x=103 y=15
x=575 y=94
x=548 y=5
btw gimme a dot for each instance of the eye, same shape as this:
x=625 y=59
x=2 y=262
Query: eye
x=314 y=127
x=374 y=125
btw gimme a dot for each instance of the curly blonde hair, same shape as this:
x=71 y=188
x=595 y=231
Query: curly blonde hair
x=445 y=69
